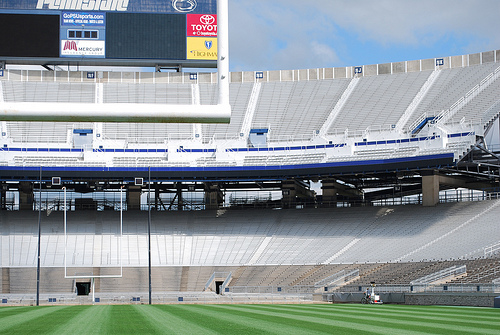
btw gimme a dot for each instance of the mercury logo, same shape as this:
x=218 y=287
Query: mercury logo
x=184 y=5
x=207 y=19
x=70 y=45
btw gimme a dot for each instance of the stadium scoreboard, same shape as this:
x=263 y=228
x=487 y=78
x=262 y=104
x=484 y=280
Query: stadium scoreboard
x=109 y=32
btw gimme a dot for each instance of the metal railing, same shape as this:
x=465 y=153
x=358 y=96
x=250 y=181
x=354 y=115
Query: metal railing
x=341 y=276
x=491 y=250
x=440 y=275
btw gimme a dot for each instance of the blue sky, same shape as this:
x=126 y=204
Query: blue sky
x=297 y=34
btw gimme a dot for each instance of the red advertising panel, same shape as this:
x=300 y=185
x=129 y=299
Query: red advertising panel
x=201 y=25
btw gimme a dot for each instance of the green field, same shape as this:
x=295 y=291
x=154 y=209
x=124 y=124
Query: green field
x=249 y=319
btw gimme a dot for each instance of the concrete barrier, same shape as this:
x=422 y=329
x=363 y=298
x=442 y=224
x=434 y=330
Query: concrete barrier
x=451 y=299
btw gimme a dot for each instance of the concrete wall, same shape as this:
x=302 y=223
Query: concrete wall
x=445 y=299
x=451 y=299
x=387 y=298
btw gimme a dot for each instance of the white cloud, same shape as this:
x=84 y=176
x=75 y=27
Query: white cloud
x=289 y=34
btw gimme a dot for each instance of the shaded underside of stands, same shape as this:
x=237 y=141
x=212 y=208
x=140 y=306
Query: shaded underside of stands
x=235 y=172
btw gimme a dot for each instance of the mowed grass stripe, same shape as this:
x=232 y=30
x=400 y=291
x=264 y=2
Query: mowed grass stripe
x=29 y=320
x=470 y=315
x=166 y=321
x=409 y=315
x=128 y=319
x=406 y=324
x=405 y=316
x=238 y=322
x=83 y=320
x=8 y=310
x=335 y=324
x=247 y=319
x=475 y=313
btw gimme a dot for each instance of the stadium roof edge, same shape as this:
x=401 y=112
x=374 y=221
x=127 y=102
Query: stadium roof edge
x=349 y=72
x=431 y=64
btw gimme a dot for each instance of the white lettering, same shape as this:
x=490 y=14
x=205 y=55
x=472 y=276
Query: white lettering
x=107 y=5
x=88 y=4
x=40 y=4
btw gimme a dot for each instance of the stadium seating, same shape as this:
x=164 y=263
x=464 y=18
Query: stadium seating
x=297 y=108
x=316 y=116
x=337 y=236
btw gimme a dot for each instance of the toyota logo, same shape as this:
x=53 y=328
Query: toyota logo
x=184 y=5
x=207 y=19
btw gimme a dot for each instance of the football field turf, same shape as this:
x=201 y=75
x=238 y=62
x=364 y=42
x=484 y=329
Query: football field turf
x=249 y=319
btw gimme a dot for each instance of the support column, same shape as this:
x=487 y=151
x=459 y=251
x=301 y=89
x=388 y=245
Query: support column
x=134 y=197
x=214 y=198
x=289 y=193
x=157 y=198
x=3 y=196
x=292 y=190
x=25 y=195
x=430 y=190
x=329 y=189
x=180 y=200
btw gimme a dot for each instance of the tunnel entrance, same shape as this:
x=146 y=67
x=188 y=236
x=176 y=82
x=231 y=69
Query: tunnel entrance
x=83 y=288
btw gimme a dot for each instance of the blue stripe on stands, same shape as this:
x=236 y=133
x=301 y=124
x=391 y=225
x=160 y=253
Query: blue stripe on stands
x=237 y=168
x=461 y=134
x=404 y=140
x=129 y=150
x=270 y=149
x=195 y=150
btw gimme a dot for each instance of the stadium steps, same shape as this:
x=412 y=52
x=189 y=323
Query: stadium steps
x=239 y=271
x=409 y=272
x=184 y=278
x=479 y=271
x=482 y=95
x=309 y=273
x=292 y=273
x=371 y=275
x=281 y=273
x=5 y=280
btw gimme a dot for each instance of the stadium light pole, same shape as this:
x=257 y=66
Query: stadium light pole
x=149 y=232
x=39 y=242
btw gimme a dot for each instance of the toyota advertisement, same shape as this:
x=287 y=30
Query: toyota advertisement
x=201 y=36
x=201 y=25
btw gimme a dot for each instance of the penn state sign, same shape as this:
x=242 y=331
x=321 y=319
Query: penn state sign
x=131 y=6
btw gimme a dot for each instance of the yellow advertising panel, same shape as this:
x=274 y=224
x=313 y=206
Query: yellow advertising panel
x=202 y=48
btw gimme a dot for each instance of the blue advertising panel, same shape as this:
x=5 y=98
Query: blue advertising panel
x=89 y=19
x=131 y=6
x=83 y=34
